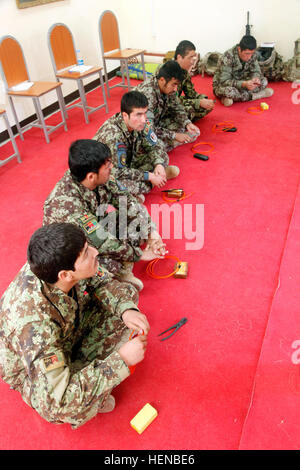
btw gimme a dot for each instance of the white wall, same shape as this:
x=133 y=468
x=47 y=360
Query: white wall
x=156 y=25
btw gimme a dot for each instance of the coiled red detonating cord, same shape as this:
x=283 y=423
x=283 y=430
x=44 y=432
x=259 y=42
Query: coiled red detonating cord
x=212 y=148
x=152 y=264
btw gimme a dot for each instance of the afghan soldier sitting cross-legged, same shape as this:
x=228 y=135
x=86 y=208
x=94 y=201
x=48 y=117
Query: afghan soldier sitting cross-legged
x=165 y=110
x=139 y=157
x=196 y=105
x=113 y=220
x=238 y=76
x=65 y=325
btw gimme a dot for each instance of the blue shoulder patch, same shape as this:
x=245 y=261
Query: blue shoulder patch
x=150 y=134
x=121 y=154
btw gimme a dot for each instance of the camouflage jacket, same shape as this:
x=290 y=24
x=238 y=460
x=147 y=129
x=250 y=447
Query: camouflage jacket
x=187 y=88
x=72 y=202
x=133 y=153
x=162 y=107
x=39 y=327
x=232 y=71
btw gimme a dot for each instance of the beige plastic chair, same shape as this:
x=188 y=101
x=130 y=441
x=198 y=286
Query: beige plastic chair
x=14 y=72
x=11 y=136
x=63 y=57
x=111 y=48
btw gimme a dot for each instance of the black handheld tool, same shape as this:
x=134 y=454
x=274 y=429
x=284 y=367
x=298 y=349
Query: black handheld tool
x=174 y=327
x=230 y=129
x=200 y=156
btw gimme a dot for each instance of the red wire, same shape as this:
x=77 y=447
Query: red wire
x=151 y=264
x=204 y=143
x=257 y=108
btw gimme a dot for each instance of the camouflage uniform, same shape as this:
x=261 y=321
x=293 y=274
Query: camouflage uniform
x=232 y=72
x=134 y=153
x=166 y=112
x=291 y=69
x=191 y=99
x=71 y=201
x=60 y=351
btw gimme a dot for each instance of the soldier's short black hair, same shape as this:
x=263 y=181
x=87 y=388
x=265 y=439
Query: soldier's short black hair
x=183 y=48
x=170 y=69
x=133 y=99
x=248 y=42
x=54 y=248
x=87 y=156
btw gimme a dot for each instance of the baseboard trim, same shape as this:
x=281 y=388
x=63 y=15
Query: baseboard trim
x=52 y=108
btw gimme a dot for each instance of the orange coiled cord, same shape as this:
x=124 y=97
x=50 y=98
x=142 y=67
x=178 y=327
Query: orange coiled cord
x=212 y=148
x=252 y=110
x=152 y=264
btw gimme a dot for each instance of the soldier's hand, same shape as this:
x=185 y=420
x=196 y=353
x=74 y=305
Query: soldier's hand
x=157 y=180
x=159 y=170
x=250 y=85
x=256 y=80
x=157 y=246
x=193 y=130
x=182 y=138
x=134 y=350
x=135 y=320
x=151 y=253
x=207 y=104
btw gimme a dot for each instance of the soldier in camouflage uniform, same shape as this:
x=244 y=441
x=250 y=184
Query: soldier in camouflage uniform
x=195 y=104
x=238 y=76
x=139 y=158
x=87 y=197
x=165 y=111
x=64 y=329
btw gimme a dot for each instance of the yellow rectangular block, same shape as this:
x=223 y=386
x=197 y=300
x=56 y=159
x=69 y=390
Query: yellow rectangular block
x=144 y=417
x=264 y=106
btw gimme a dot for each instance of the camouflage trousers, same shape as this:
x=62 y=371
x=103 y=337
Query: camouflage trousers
x=105 y=334
x=173 y=126
x=239 y=94
x=136 y=187
x=193 y=108
x=114 y=252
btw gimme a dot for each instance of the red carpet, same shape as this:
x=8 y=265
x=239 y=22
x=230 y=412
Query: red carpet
x=225 y=380
x=273 y=416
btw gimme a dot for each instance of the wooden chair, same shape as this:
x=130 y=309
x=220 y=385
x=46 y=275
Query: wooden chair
x=63 y=56
x=111 y=48
x=11 y=136
x=14 y=72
